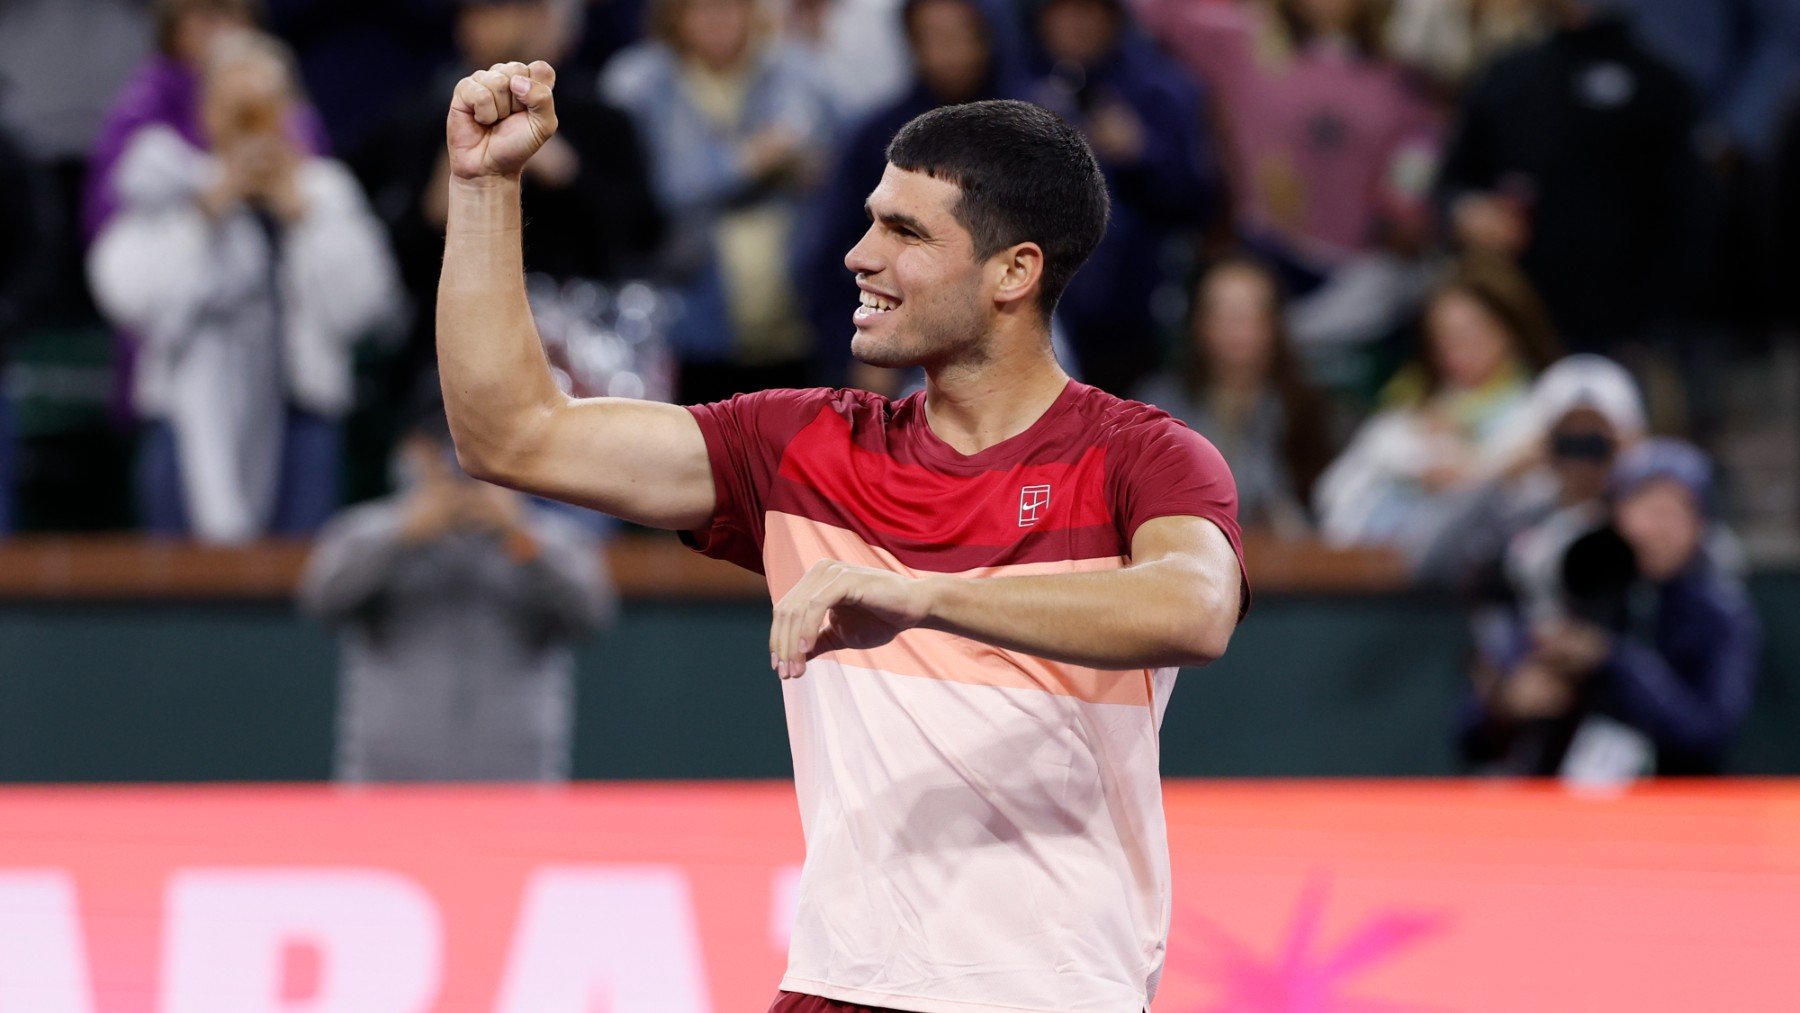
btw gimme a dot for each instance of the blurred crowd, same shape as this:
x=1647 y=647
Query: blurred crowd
x=1497 y=284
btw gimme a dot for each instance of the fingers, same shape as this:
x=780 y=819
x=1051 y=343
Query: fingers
x=799 y=617
x=478 y=100
x=493 y=94
x=503 y=77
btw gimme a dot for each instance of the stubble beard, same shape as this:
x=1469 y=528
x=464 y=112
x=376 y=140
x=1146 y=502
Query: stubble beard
x=931 y=342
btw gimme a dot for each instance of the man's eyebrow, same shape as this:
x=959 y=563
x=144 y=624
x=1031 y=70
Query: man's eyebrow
x=894 y=219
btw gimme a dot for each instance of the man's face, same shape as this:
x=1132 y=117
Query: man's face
x=925 y=296
x=1664 y=526
x=949 y=46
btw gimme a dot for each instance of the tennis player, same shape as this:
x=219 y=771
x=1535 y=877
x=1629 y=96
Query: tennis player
x=982 y=591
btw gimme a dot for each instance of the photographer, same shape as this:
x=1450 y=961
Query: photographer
x=1651 y=665
x=249 y=269
x=458 y=600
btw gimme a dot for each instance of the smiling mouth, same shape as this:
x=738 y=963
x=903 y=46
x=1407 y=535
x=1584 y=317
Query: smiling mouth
x=875 y=305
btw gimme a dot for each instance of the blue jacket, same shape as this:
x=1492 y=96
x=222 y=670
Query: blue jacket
x=1740 y=54
x=1172 y=189
x=1681 y=671
x=1685 y=673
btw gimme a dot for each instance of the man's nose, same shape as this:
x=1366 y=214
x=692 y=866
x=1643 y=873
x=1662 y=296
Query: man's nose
x=863 y=258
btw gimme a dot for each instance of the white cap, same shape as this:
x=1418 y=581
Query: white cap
x=1589 y=381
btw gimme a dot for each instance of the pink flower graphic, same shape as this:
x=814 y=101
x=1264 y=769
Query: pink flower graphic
x=1304 y=977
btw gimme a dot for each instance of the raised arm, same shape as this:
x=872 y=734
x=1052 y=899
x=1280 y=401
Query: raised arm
x=640 y=460
x=1176 y=603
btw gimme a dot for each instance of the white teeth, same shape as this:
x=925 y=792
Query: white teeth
x=875 y=302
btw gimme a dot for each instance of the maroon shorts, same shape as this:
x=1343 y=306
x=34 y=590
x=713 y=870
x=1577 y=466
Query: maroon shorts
x=795 y=1002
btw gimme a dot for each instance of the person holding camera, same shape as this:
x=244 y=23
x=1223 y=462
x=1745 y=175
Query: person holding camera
x=1648 y=663
x=458 y=601
x=248 y=269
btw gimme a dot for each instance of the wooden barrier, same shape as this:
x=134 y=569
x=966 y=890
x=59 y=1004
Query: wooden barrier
x=645 y=566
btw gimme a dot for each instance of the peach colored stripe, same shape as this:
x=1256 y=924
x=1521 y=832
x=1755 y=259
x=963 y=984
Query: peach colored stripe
x=791 y=544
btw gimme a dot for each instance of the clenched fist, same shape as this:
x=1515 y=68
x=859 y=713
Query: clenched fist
x=499 y=118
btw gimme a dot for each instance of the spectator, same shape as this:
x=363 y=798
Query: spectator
x=587 y=194
x=1576 y=155
x=165 y=91
x=1742 y=56
x=1241 y=385
x=736 y=124
x=858 y=46
x=458 y=601
x=1454 y=419
x=29 y=220
x=1450 y=41
x=250 y=268
x=1331 y=149
x=1508 y=537
x=1653 y=667
x=1142 y=117
x=958 y=55
x=62 y=64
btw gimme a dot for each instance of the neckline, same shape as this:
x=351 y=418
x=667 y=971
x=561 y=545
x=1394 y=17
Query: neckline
x=931 y=446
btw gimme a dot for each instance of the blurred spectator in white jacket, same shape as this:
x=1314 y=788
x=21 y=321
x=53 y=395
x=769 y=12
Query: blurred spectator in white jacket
x=1454 y=420
x=1508 y=538
x=249 y=268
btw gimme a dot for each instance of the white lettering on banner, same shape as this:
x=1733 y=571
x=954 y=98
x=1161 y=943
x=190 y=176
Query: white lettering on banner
x=619 y=938
x=378 y=935
x=43 y=965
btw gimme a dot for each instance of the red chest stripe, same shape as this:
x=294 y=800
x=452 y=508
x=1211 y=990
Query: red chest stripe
x=921 y=507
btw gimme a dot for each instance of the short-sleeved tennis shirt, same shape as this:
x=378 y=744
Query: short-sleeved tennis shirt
x=984 y=829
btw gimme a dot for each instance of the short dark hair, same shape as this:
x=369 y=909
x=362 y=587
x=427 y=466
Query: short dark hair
x=1025 y=176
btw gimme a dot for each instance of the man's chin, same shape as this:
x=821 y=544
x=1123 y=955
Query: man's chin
x=872 y=351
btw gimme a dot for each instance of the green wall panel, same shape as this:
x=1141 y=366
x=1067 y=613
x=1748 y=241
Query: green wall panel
x=185 y=691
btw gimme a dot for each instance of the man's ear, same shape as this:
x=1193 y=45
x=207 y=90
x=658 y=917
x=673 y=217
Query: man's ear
x=1020 y=271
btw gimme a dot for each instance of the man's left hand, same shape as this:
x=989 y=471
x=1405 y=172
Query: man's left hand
x=837 y=605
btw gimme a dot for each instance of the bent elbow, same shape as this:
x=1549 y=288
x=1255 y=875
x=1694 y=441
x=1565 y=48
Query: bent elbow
x=500 y=455
x=1205 y=644
x=1214 y=641
x=478 y=465
x=1205 y=631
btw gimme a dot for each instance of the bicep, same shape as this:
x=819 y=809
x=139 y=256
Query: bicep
x=1200 y=552
x=641 y=461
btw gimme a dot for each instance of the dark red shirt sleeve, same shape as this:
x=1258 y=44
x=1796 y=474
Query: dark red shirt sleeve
x=1158 y=467
x=745 y=437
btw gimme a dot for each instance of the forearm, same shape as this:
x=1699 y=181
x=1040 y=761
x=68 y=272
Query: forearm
x=496 y=379
x=1160 y=613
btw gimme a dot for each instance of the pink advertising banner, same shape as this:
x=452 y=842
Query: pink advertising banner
x=675 y=898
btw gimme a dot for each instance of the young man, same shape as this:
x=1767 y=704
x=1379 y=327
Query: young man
x=987 y=586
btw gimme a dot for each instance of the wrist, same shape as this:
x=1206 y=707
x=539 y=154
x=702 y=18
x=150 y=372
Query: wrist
x=935 y=597
x=484 y=203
